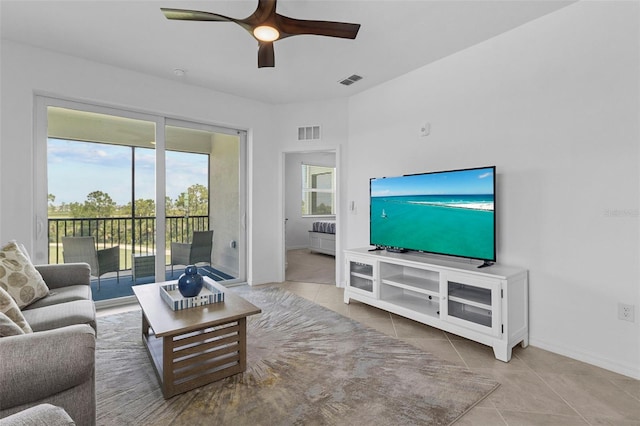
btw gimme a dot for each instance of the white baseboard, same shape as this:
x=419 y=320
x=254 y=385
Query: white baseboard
x=306 y=246
x=629 y=370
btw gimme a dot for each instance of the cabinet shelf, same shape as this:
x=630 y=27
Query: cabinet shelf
x=476 y=296
x=363 y=276
x=420 y=305
x=469 y=302
x=417 y=284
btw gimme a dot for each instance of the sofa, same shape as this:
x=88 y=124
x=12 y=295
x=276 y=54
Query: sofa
x=55 y=363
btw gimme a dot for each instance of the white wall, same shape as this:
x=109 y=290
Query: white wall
x=554 y=105
x=298 y=227
x=225 y=203
x=331 y=115
x=27 y=71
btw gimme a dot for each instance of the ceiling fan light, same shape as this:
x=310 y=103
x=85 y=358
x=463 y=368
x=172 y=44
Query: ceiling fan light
x=266 y=33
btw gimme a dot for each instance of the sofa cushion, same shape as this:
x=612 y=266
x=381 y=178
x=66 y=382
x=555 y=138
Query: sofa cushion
x=63 y=295
x=19 y=277
x=9 y=307
x=8 y=327
x=61 y=315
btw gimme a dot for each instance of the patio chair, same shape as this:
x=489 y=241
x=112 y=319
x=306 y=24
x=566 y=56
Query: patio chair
x=83 y=249
x=190 y=254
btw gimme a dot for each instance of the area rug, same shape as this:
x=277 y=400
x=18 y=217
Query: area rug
x=306 y=365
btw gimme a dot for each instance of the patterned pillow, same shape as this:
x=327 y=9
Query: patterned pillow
x=19 y=277
x=8 y=327
x=10 y=309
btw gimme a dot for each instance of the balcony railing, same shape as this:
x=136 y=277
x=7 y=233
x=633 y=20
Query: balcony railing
x=134 y=236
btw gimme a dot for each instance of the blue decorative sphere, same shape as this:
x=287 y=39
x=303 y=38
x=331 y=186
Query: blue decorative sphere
x=190 y=283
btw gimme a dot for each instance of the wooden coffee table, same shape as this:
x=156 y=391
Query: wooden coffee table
x=195 y=346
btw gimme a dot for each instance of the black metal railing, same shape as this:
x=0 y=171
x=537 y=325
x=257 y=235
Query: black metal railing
x=133 y=235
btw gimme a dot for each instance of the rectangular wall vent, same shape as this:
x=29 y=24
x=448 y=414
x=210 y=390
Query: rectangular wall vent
x=308 y=133
x=350 y=80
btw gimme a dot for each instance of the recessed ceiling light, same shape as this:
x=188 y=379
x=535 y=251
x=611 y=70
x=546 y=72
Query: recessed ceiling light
x=179 y=72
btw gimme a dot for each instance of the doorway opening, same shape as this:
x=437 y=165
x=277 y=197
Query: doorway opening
x=310 y=216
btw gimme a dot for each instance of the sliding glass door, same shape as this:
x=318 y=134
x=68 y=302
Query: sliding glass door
x=100 y=173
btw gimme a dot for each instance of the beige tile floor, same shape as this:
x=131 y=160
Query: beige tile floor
x=305 y=266
x=537 y=386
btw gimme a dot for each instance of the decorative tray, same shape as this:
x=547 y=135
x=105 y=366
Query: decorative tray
x=171 y=295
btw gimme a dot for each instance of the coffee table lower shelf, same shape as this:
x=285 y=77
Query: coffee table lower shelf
x=185 y=361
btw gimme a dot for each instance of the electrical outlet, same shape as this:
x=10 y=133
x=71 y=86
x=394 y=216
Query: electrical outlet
x=626 y=312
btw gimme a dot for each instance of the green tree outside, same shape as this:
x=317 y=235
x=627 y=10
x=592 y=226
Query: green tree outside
x=98 y=204
x=193 y=202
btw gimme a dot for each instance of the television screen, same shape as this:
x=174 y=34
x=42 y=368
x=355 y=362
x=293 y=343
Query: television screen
x=449 y=212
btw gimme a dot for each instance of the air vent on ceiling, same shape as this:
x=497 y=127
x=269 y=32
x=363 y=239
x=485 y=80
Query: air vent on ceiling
x=308 y=133
x=350 y=80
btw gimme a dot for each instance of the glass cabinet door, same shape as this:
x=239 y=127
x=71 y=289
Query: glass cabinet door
x=473 y=303
x=361 y=276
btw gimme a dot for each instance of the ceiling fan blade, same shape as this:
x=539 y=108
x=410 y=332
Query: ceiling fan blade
x=266 y=55
x=264 y=12
x=194 y=15
x=291 y=26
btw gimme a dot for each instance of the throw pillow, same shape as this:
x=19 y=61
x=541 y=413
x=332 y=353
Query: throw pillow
x=8 y=327
x=9 y=308
x=19 y=277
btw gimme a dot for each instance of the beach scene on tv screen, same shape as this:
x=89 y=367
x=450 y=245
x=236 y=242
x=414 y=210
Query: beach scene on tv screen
x=448 y=212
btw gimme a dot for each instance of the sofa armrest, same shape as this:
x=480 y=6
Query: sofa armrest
x=65 y=274
x=38 y=365
x=43 y=414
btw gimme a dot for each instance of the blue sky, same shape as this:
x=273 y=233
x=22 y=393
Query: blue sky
x=477 y=181
x=76 y=169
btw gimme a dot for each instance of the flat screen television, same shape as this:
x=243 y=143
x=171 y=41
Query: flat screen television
x=448 y=212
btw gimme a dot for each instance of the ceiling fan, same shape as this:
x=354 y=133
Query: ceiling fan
x=267 y=26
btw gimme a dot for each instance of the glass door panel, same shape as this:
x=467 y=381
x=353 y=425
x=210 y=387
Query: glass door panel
x=100 y=184
x=473 y=303
x=203 y=188
x=361 y=277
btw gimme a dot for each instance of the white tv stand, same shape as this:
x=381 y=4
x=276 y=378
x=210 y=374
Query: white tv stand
x=488 y=305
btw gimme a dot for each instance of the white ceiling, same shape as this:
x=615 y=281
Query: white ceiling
x=396 y=36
